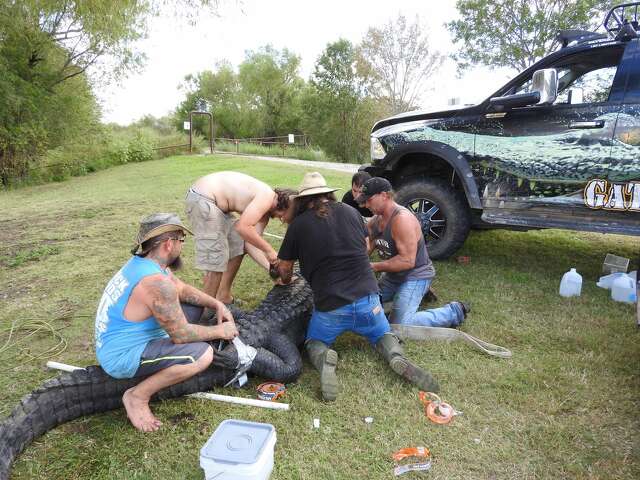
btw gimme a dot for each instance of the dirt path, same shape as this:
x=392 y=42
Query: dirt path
x=341 y=167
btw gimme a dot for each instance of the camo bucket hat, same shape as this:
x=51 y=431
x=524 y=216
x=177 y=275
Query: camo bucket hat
x=157 y=224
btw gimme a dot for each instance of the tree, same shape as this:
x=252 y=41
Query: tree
x=220 y=90
x=47 y=48
x=338 y=108
x=270 y=82
x=517 y=33
x=401 y=61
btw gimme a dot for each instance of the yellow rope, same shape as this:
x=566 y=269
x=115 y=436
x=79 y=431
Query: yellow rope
x=32 y=327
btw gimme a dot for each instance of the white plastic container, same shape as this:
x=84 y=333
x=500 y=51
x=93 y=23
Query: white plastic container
x=571 y=284
x=606 y=281
x=623 y=289
x=239 y=450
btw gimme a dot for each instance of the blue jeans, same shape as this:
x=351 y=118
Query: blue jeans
x=406 y=300
x=365 y=317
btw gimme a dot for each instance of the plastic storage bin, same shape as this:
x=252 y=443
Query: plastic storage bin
x=571 y=284
x=613 y=263
x=239 y=450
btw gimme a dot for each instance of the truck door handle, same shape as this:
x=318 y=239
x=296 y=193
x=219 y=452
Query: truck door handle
x=594 y=124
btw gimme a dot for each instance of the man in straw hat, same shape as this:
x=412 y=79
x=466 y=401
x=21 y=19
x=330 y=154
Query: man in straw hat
x=221 y=238
x=330 y=241
x=408 y=271
x=140 y=330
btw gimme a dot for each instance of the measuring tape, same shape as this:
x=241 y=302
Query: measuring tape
x=422 y=454
x=271 y=391
x=435 y=409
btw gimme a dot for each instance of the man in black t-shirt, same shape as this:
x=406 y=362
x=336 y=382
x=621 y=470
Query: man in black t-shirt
x=357 y=181
x=330 y=241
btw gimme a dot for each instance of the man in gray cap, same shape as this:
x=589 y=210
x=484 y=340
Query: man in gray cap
x=329 y=239
x=140 y=329
x=408 y=271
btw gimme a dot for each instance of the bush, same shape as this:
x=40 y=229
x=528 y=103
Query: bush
x=301 y=152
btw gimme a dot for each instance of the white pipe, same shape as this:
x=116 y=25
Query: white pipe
x=208 y=396
x=62 y=366
x=273 y=235
x=240 y=400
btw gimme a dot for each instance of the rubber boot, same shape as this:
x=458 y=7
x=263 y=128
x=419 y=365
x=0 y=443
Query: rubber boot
x=325 y=361
x=391 y=350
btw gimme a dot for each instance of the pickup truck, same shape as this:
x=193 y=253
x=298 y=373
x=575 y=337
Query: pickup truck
x=556 y=147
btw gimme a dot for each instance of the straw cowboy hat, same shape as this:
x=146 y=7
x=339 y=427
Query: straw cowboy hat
x=313 y=184
x=157 y=224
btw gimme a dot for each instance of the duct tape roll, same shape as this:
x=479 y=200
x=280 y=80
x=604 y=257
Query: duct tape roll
x=419 y=459
x=271 y=391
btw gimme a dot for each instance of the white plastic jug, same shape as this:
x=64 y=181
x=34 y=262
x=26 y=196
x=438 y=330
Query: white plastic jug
x=606 y=281
x=571 y=284
x=623 y=289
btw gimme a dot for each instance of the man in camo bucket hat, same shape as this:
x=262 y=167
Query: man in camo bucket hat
x=140 y=329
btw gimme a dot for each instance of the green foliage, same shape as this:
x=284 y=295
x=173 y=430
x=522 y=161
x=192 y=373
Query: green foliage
x=517 y=33
x=400 y=61
x=269 y=80
x=261 y=100
x=46 y=98
x=338 y=109
x=308 y=153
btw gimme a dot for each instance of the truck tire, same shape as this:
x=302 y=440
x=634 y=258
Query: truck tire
x=442 y=212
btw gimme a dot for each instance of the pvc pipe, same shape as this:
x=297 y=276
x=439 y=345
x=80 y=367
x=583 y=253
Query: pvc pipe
x=273 y=235
x=208 y=396
x=240 y=400
x=63 y=366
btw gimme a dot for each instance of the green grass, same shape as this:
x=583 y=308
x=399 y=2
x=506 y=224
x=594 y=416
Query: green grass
x=565 y=406
x=291 y=151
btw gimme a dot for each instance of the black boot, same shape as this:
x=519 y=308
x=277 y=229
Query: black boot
x=391 y=350
x=325 y=361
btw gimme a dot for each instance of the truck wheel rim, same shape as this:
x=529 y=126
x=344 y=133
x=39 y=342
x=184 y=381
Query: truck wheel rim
x=432 y=220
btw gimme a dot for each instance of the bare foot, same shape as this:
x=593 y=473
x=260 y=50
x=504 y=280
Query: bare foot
x=139 y=412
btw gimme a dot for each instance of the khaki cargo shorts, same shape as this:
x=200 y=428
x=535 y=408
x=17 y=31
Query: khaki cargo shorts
x=216 y=239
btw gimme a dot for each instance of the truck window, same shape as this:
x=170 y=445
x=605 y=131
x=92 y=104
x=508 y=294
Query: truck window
x=591 y=87
x=584 y=78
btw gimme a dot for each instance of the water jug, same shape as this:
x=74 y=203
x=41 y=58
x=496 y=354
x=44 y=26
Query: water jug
x=571 y=284
x=607 y=280
x=624 y=289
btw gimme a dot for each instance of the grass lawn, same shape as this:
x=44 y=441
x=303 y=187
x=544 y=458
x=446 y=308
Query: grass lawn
x=565 y=406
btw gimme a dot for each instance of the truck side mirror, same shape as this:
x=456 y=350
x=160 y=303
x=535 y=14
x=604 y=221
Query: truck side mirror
x=544 y=90
x=545 y=81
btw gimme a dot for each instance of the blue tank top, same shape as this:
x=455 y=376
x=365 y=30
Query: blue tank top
x=120 y=342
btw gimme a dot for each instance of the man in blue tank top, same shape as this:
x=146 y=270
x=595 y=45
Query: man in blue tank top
x=408 y=271
x=140 y=329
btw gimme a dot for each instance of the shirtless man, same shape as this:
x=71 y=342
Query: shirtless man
x=221 y=238
x=140 y=329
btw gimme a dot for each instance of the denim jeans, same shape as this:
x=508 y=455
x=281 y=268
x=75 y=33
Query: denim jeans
x=406 y=300
x=365 y=317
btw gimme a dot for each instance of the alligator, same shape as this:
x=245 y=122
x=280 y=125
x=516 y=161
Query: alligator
x=276 y=328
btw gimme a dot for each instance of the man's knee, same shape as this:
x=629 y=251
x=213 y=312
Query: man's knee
x=205 y=359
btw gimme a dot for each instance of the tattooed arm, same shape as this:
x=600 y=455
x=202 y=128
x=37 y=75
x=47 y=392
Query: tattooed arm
x=164 y=302
x=189 y=294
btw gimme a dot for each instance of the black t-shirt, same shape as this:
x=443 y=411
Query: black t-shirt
x=349 y=200
x=333 y=255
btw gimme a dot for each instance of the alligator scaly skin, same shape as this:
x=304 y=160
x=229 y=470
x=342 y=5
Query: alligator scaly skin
x=276 y=327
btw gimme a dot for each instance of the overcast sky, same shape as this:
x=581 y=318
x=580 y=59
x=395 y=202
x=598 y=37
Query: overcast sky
x=304 y=27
